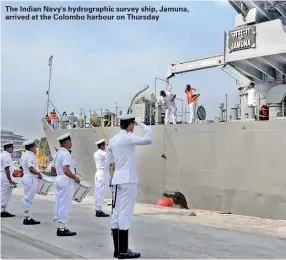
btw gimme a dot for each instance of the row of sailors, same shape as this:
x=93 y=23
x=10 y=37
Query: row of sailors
x=119 y=152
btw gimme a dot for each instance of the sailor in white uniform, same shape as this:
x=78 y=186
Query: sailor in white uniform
x=30 y=179
x=6 y=181
x=100 y=182
x=168 y=100
x=121 y=151
x=64 y=184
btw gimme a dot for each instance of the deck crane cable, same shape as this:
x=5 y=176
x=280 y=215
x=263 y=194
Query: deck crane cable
x=42 y=158
x=178 y=163
x=177 y=159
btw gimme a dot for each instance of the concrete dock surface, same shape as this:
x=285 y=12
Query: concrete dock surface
x=156 y=233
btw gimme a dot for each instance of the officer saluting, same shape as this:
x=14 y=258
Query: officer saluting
x=121 y=152
x=6 y=180
x=64 y=184
x=30 y=180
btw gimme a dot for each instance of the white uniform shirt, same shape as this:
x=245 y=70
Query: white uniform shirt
x=252 y=97
x=99 y=158
x=28 y=159
x=168 y=99
x=6 y=160
x=121 y=151
x=64 y=158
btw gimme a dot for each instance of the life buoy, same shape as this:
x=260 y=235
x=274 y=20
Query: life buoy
x=201 y=112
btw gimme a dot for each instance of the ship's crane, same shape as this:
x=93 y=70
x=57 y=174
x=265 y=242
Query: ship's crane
x=196 y=64
x=249 y=50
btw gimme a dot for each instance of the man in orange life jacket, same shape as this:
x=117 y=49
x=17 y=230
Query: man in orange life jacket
x=54 y=119
x=192 y=99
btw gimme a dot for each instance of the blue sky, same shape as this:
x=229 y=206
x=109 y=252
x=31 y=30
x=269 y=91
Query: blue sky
x=98 y=64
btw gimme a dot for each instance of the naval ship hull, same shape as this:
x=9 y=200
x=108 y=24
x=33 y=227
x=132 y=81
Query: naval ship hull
x=236 y=167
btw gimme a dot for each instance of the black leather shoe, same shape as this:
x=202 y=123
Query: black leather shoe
x=128 y=255
x=6 y=214
x=65 y=233
x=30 y=222
x=115 y=254
x=100 y=213
x=123 y=251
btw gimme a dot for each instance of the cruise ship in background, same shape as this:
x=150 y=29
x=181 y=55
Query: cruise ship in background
x=10 y=136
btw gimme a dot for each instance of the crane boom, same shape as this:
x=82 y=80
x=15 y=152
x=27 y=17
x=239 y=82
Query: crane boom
x=196 y=64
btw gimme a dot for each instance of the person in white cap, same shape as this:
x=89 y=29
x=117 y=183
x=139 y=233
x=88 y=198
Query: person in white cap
x=64 y=184
x=6 y=181
x=100 y=181
x=30 y=179
x=121 y=152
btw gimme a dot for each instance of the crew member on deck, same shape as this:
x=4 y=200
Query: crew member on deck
x=100 y=181
x=6 y=181
x=192 y=99
x=30 y=179
x=64 y=184
x=252 y=96
x=168 y=101
x=121 y=152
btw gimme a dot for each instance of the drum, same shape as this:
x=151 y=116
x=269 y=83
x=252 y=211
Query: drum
x=80 y=190
x=18 y=173
x=45 y=185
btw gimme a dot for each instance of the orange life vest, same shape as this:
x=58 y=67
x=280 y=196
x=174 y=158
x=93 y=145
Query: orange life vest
x=53 y=116
x=190 y=97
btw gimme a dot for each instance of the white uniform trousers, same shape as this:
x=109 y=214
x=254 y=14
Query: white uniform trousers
x=124 y=200
x=6 y=191
x=64 y=191
x=193 y=113
x=100 y=188
x=30 y=182
x=171 y=112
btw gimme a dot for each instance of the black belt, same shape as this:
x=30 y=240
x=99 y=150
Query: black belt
x=114 y=195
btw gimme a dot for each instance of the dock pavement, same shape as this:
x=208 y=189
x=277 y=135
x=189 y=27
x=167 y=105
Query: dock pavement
x=156 y=232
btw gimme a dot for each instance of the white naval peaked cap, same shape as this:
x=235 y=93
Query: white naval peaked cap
x=8 y=143
x=100 y=141
x=29 y=142
x=127 y=117
x=64 y=136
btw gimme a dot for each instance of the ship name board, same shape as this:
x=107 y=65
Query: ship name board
x=242 y=39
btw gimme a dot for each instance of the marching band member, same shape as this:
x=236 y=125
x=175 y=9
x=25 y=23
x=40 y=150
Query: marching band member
x=6 y=181
x=30 y=179
x=64 y=184
x=100 y=181
x=121 y=152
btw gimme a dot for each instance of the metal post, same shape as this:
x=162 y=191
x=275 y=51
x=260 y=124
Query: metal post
x=50 y=76
x=156 y=84
x=226 y=108
x=101 y=120
x=116 y=108
x=155 y=90
x=182 y=106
